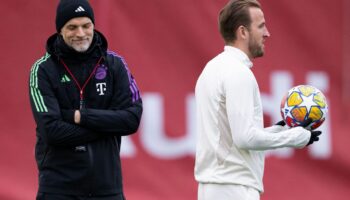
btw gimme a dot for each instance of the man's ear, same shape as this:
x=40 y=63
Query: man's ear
x=242 y=32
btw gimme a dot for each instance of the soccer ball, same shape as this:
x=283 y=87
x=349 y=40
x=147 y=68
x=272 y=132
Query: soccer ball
x=301 y=103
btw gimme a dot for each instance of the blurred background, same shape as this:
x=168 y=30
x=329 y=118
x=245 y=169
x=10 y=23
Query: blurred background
x=166 y=44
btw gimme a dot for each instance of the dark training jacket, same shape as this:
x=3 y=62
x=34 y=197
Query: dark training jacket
x=82 y=159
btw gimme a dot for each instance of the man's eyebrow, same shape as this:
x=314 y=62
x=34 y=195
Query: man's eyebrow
x=262 y=24
x=76 y=25
x=72 y=25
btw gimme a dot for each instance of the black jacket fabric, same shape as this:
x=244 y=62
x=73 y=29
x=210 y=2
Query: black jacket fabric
x=82 y=159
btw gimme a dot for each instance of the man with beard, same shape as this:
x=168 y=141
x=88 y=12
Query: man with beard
x=231 y=137
x=83 y=99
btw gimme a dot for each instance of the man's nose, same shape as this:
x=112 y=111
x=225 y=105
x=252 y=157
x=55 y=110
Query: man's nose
x=80 y=32
x=267 y=33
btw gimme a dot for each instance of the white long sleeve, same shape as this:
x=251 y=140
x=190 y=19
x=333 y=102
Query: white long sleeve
x=231 y=136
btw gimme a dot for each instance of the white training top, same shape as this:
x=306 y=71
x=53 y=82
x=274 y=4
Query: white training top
x=231 y=137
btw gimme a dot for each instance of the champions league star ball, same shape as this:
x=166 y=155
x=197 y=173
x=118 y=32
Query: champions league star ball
x=304 y=102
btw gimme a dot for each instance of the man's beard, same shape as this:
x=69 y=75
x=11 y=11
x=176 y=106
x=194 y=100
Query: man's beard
x=81 y=48
x=255 y=49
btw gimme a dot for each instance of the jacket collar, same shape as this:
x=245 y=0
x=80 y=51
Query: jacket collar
x=239 y=54
x=56 y=46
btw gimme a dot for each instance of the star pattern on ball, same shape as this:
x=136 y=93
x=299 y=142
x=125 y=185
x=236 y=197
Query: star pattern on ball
x=308 y=102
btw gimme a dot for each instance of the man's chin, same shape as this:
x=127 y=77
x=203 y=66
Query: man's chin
x=80 y=49
x=257 y=54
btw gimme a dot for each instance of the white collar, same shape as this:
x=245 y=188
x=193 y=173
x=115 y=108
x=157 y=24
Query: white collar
x=240 y=55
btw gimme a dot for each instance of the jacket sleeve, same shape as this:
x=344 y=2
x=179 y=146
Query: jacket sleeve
x=124 y=113
x=50 y=125
x=241 y=90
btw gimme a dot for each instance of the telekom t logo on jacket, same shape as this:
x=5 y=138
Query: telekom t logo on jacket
x=101 y=88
